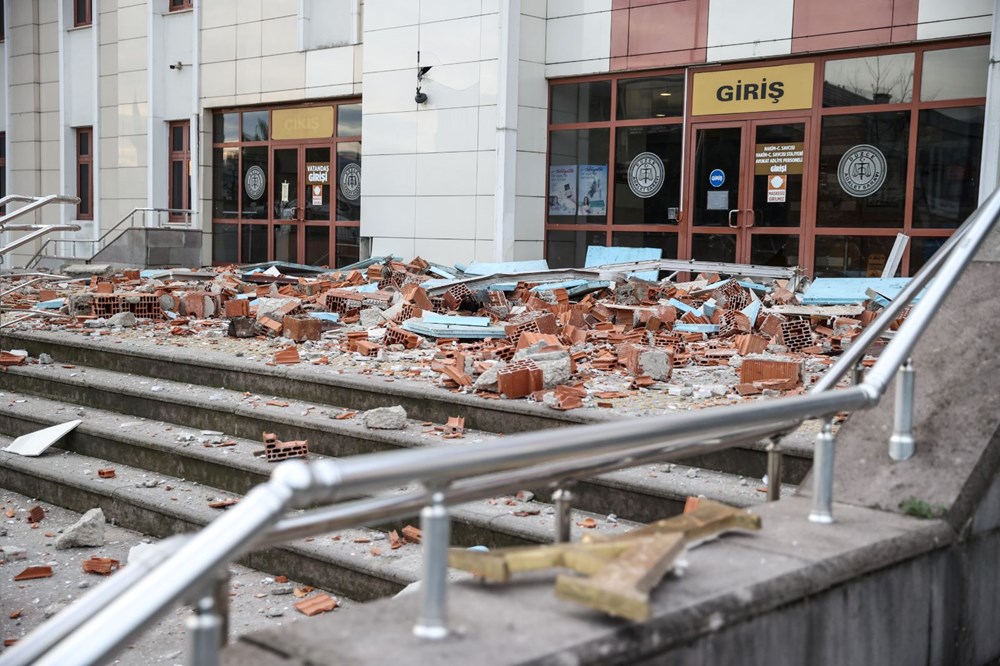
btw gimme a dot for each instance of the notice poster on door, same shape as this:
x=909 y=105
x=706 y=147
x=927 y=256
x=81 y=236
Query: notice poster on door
x=777 y=185
x=318 y=172
x=778 y=158
x=593 y=189
x=317 y=195
x=562 y=190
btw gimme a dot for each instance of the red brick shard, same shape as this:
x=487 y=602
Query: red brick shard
x=316 y=604
x=102 y=566
x=31 y=573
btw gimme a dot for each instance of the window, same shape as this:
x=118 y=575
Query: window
x=279 y=194
x=178 y=5
x=604 y=137
x=179 y=187
x=3 y=23
x=82 y=12
x=84 y=173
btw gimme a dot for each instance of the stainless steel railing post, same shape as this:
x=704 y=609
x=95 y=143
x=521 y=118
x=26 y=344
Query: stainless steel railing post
x=435 y=528
x=858 y=376
x=822 y=511
x=205 y=633
x=563 y=499
x=902 y=445
x=774 y=457
x=220 y=593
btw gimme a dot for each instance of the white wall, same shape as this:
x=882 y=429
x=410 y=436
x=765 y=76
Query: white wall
x=749 y=28
x=950 y=18
x=578 y=37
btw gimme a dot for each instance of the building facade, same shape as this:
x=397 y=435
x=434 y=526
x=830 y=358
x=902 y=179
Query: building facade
x=784 y=132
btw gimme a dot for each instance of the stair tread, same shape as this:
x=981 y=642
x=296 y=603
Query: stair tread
x=163 y=436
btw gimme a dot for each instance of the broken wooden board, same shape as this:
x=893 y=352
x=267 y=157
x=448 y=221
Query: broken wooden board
x=621 y=587
x=618 y=572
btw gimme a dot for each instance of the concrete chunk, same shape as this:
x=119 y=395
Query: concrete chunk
x=386 y=418
x=86 y=532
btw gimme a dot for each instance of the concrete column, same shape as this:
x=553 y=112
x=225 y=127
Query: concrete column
x=506 y=170
x=989 y=173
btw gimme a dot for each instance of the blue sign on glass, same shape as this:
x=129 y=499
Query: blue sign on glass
x=717 y=177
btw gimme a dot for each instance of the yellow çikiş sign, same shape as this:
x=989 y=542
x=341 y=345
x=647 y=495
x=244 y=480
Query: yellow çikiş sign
x=312 y=122
x=778 y=88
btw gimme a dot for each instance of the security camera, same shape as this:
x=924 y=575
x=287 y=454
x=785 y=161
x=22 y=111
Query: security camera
x=420 y=97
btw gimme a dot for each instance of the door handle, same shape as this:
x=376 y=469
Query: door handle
x=753 y=217
x=731 y=225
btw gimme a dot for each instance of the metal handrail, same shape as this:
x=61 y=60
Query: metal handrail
x=100 y=244
x=450 y=474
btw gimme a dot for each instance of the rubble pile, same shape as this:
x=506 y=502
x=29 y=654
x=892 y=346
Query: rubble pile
x=564 y=343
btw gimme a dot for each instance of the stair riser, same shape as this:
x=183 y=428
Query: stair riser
x=354 y=584
x=238 y=424
x=358 y=394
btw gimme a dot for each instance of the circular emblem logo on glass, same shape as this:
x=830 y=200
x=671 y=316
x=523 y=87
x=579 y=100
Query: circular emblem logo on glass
x=350 y=181
x=645 y=175
x=861 y=171
x=254 y=182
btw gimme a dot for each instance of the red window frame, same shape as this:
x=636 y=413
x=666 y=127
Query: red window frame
x=3 y=169
x=88 y=13
x=85 y=158
x=182 y=156
x=179 y=5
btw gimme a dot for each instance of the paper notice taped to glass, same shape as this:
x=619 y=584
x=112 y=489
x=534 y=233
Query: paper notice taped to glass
x=717 y=200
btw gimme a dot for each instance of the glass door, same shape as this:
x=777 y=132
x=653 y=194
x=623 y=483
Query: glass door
x=287 y=211
x=746 y=192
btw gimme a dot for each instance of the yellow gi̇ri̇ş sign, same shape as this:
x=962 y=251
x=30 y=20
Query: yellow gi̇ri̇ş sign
x=778 y=88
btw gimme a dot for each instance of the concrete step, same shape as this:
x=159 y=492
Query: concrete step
x=113 y=403
x=422 y=401
x=162 y=505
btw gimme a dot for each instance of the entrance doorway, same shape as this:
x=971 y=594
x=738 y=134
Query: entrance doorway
x=301 y=191
x=746 y=191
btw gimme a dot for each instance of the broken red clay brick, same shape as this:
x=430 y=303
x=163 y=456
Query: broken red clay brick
x=31 y=573
x=757 y=369
x=287 y=356
x=237 y=307
x=412 y=534
x=316 y=604
x=301 y=329
x=102 y=566
x=106 y=473
x=276 y=450
x=36 y=514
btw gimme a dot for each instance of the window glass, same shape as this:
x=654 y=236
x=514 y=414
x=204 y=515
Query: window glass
x=568 y=249
x=225 y=182
x=666 y=242
x=226 y=127
x=660 y=97
x=349 y=181
x=578 y=177
x=177 y=185
x=286 y=242
x=779 y=152
x=774 y=250
x=852 y=256
x=254 y=196
x=255 y=125
x=921 y=250
x=884 y=79
x=84 y=142
x=81 y=12
x=949 y=150
x=177 y=138
x=348 y=239
x=254 y=243
x=224 y=243
x=862 y=170
x=647 y=174
x=318 y=245
x=349 y=120
x=83 y=189
x=581 y=102
x=954 y=73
